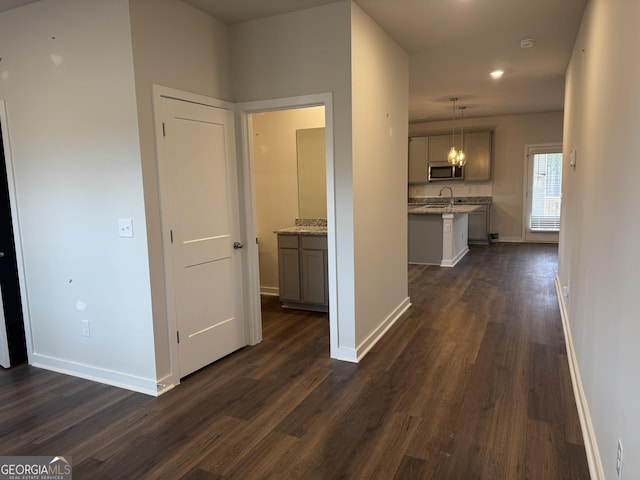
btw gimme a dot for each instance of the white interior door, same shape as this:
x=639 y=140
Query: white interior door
x=200 y=211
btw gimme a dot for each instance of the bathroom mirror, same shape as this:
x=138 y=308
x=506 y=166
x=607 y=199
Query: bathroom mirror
x=312 y=172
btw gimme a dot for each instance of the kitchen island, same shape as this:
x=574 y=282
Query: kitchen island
x=438 y=235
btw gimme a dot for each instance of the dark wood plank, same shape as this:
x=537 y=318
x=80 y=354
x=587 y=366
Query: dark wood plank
x=472 y=382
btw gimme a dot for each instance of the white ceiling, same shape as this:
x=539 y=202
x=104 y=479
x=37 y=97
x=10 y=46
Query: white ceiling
x=9 y=4
x=453 y=45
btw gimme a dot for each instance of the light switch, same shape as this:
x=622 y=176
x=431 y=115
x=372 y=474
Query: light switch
x=125 y=227
x=572 y=158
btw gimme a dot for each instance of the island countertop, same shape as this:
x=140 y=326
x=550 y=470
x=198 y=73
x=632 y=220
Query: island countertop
x=440 y=209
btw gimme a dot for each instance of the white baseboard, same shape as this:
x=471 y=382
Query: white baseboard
x=456 y=259
x=378 y=333
x=508 y=240
x=271 y=291
x=147 y=386
x=588 y=432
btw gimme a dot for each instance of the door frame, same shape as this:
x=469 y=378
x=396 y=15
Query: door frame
x=247 y=192
x=17 y=236
x=527 y=236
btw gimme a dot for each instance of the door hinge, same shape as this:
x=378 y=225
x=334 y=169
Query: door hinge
x=178 y=336
x=256 y=240
x=171 y=235
x=164 y=133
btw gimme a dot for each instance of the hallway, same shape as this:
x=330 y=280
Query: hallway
x=472 y=382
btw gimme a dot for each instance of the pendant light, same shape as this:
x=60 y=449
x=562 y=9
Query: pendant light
x=461 y=159
x=453 y=153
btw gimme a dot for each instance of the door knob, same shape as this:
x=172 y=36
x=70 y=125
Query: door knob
x=237 y=245
x=1 y=254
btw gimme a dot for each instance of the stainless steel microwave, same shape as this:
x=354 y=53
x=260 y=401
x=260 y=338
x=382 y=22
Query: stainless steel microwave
x=441 y=171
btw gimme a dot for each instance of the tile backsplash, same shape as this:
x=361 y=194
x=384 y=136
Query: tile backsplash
x=460 y=189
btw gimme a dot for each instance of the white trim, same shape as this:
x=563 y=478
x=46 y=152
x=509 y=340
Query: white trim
x=168 y=92
x=148 y=386
x=253 y=304
x=379 y=332
x=509 y=240
x=17 y=233
x=270 y=291
x=253 y=281
x=588 y=432
x=163 y=385
x=528 y=235
x=456 y=259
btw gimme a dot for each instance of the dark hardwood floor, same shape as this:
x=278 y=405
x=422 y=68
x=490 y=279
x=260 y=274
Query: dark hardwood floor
x=471 y=383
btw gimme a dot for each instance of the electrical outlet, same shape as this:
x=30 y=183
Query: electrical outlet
x=125 y=227
x=86 y=331
x=619 y=460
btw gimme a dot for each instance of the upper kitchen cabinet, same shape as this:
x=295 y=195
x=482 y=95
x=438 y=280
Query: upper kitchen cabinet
x=477 y=147
x=418 y=159
x=435 y=149
x=439 y=146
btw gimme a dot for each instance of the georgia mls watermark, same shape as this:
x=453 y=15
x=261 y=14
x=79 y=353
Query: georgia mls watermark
x=35 y=468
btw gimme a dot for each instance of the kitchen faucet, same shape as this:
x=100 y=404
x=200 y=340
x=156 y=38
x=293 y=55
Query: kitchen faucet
x=450 y=196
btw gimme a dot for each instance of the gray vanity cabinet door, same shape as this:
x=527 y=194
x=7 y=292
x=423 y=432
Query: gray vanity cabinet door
x=314 y=270
x=289 y=267
x=313 y=276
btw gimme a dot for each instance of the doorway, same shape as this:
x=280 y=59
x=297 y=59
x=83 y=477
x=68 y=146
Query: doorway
x=13 y=346
x=283 y=190
x=250 y=201
x=543 y=192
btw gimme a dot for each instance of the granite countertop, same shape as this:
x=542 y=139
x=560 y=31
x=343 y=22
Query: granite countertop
x=305 y=226
x=444 y=200
x=440 y=209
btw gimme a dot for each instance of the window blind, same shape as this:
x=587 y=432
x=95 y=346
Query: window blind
x=546 y=193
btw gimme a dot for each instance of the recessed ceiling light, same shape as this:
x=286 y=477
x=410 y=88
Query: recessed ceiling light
x=497 y=74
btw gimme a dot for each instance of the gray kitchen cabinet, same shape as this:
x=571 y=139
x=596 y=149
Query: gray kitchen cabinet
x=418 y=159
x=477 y=148
x=439 y=146
x=303 y=272
x=479 y=226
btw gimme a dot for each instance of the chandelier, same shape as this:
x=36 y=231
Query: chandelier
x=457 y=156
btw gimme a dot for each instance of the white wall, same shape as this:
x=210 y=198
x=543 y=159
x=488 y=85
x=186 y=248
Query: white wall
x=598 y=259
x=303 y=53
x=275 y=170
x=511 y=134
x=178 y=46
x=310 y=52
x=74 y=137
x=380 y=83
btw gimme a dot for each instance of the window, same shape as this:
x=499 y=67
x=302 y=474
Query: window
x=546 y=192
x=542 y=192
